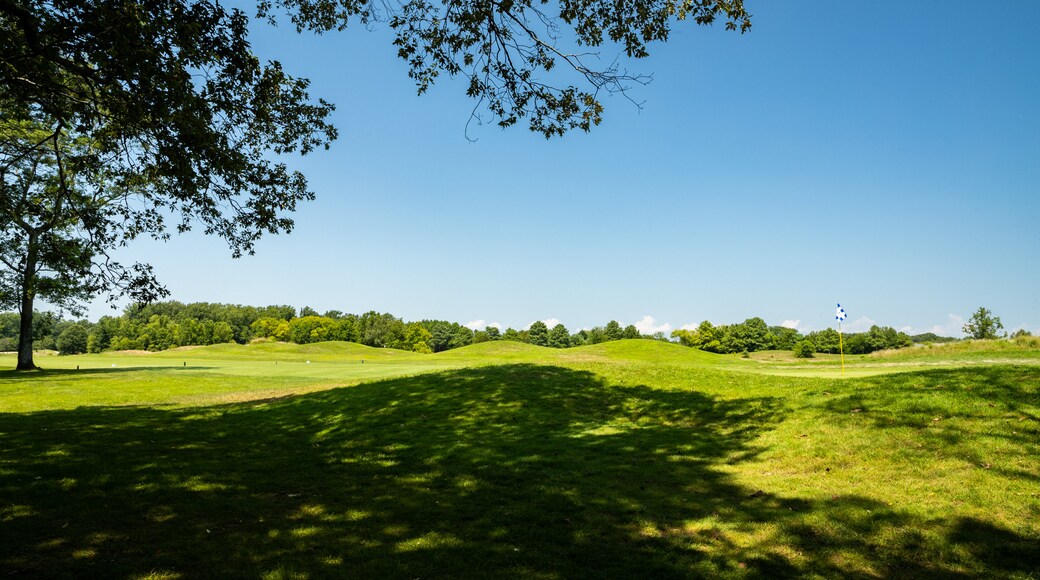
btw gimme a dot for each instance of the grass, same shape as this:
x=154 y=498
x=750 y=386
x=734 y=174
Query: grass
x=624 y=459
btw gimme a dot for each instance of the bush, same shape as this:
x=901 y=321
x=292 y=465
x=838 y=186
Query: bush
x=72 y=340
x=804 y=349
x=1027 y=341
x=124 y=343
x=421 y=347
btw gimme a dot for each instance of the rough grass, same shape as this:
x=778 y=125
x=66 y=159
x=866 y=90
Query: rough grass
x=629 y=459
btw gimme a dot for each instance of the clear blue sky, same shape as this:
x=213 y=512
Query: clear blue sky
x=882 y=154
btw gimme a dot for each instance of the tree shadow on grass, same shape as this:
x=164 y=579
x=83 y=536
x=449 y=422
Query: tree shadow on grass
x=13 y=376
x=505 y=471
x=956 y=409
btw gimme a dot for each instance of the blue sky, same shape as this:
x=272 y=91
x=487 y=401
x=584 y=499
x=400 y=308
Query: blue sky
x=879 y=154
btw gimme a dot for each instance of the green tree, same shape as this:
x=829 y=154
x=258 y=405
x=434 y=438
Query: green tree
x=128 y=119
x=460 y=336
x=43 y=253
x=161 y=333
x=222 y=332
x=684 y=336
x=883 y=337
x=509 y=52
x=140 y=113
x=630 y=331
x=191 y=332
x=346 y=328
x=784 y=338
x=983 y=324
x=92 y=344
x=417 y=338
x=750 y=335
x=307 y=329
x=559 y=337
x=442 y=336
x=595 y=335
x=538 y=334
x=613 y=330
x=825 y=340
x=804 y=349
x=73 y=340
x=706 y=337
x=379 y=330
x=268 y=327
x=859 y=343
x=422 y=347
x=105 y=329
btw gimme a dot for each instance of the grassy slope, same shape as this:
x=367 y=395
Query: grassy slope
x=269 y=351
x=623 y=459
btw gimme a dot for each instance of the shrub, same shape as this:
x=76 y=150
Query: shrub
x=804 y=349
x=92 y=343
x=421 y=347
x=1027 y=340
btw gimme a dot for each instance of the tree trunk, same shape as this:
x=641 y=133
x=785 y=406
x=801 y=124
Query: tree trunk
x=25 y=330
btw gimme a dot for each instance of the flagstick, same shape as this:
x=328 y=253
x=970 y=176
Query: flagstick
x=841 y=349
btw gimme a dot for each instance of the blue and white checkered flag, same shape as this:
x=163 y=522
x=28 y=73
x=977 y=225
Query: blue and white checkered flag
x=840 y=314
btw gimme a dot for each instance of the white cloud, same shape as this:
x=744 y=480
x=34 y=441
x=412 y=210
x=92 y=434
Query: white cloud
x=649 y=326
x=481 y=325
x=954 y=326
x=791 y=324
x=861 y=324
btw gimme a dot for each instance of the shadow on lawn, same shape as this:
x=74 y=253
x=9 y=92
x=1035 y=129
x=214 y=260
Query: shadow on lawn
x=954 y=409
x=13 y=376
x=515 y=470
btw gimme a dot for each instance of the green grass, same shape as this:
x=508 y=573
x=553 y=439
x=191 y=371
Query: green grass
x=627 y=459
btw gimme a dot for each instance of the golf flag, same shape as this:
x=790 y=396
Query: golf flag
x=840 y=315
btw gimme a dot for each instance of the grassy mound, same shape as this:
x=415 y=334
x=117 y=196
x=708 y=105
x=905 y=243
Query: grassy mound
x=498 y=351
x=318 y=351
x=1024 y=348
x=628 y=459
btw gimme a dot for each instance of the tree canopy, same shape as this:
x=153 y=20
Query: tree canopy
x=120 y=117
x=133 y=118
x=983 y=324
x=521 y=59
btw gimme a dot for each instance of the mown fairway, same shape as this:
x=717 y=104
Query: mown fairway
x=627 y=459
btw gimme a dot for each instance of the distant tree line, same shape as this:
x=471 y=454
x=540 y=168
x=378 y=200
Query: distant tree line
x=163 y=325
x=754 y=335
